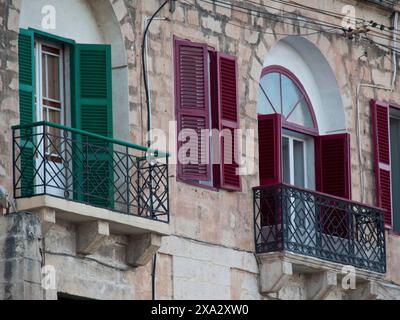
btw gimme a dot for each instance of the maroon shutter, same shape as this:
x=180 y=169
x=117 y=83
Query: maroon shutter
x=192 y=105
x=333 y=177
x=269 y=142
x=381 y=138
x=333 y=165
x=227 y=121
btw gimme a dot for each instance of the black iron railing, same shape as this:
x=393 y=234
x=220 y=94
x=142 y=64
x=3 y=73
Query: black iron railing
x=50 y=159
x=318 y=225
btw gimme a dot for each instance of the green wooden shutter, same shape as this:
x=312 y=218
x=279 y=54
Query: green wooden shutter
x=26 y=61
x=92 y=111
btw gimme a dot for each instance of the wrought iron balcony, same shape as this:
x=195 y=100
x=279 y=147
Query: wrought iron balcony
x=76 y=165
x=318 y=225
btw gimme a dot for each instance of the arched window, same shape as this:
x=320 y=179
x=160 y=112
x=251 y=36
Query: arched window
x=291 y=150
x=282 y=93
x=294 y=149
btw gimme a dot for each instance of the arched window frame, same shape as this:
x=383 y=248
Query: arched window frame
x=332 y=174
x=285 y=123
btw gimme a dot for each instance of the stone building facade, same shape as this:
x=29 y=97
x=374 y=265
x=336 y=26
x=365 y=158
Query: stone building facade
x=207 y=251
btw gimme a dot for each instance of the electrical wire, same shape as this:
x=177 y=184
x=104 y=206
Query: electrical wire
x=266 y=14
x=340 y=16
x=146 y=84
x=312 y=21
x=271 y=16
x=264 y=32
x=153 y=278
x=360 y=21
x=146 y=87
x=311 y=24
x=285 y=14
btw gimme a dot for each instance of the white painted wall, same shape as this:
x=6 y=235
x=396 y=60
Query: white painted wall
x=91 y=22
x=74 y=19
x=110 y=28
x=308 y=64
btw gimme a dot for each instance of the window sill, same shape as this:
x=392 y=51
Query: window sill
x=198 y=185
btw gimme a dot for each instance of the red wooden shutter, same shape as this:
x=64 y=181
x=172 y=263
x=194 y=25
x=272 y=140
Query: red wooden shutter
x=192 y=105
x=270 y=146
x=269 y=142
x=332 y=154
x=381 y=138
x=227 y=117
x=333 y=165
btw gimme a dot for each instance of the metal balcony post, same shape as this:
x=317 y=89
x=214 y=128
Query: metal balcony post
x=14 y=164
x=151 y=190
x=127 y=181
x=44 y=159
x=167 y=188
x=284 y=216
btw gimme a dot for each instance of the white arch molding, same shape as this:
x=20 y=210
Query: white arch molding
x=94 y=22
x=307 y=63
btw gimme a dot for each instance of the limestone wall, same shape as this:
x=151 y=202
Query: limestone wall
x=210 y=254
x=20 y=257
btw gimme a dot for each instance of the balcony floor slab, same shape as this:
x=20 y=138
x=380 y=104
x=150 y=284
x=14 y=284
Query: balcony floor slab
x=120 y=224
x=310 y=265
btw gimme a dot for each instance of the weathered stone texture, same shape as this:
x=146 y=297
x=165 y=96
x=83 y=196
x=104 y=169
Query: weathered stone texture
x=226 y=266
x=20 y=257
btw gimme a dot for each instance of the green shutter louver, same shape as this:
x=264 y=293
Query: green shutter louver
x=93 y=112
x=93 y=89
x=26 y=62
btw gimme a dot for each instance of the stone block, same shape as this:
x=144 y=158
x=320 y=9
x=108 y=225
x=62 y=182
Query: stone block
x=211 y=23
x=120 y=10
x=274 y=275
x=142 y=248
x=47 y=217
x=91 y=236
x=320 y=285
x=20 y=258
x=364 y=291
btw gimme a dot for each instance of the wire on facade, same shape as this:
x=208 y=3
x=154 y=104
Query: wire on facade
x=263 y=14
x=146 y=84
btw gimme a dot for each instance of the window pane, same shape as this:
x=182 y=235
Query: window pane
x=54 y=116
x=290 y=95
x=53 y=77
x=286 y=160
x=395 y=157
x=272 y=86
x=44 y=77
x=264 y=106
x=298 y=158
x=302 y=116
x=53 y=134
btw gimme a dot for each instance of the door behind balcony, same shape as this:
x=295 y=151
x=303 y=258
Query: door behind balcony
x=298 y=171
x=50 y=106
